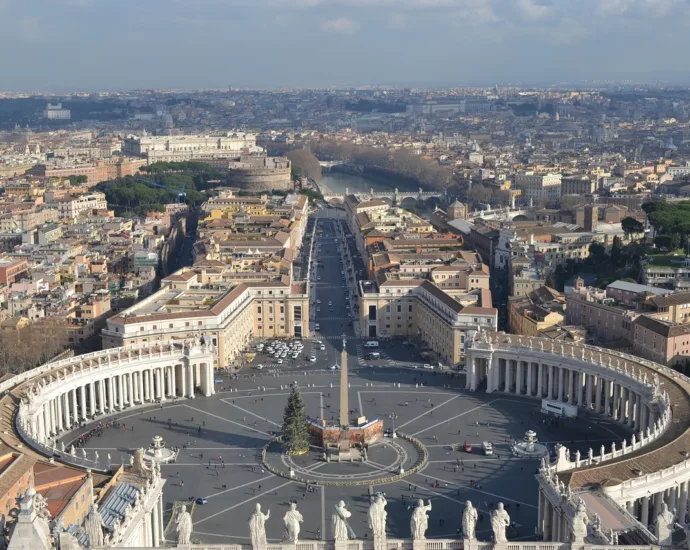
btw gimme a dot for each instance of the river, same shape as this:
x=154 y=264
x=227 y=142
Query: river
x=337 y=182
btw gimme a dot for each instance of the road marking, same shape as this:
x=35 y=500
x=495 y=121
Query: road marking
x=427 y=412
x=472 y=488
x=239 y=486
x=250 y=412
x=453 y=418
x=264 y=493
x=230 y=421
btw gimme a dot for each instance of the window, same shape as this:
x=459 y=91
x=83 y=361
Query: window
x=170 y=325
x=259 y=310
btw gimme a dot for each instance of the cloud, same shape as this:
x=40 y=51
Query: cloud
x=340 y=25
x=533 y=9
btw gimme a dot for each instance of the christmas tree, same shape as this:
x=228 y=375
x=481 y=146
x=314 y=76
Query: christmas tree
x=295 y=431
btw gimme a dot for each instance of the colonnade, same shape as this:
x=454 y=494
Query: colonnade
x=66 y=403
x=647 y=508
x=600 y=392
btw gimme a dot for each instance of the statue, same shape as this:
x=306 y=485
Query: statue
x=138 y=461
x=41 y=506
x=377 y=516
x=664 y=525
x=94 y=527
x=341 y=529
x=580 y=522
x=292 y=519
x=499 y=521
x=257 y=528
x=131 y=461
x=469 y=521
x=184 y=526
x=419 y=522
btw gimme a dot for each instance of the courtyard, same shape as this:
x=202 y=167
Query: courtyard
x=223 y=436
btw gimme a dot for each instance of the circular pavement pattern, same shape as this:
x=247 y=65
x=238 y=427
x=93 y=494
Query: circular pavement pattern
x=225 y=435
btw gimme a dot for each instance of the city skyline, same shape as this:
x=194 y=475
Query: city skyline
x=66 y=45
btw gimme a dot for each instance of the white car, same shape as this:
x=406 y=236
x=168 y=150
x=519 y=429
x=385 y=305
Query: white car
x=427 y=366
x=322 y=347
x=333 y=367
x=279 y=361
x=318 y=308
x=318 y=301
x=318 y=278
x=312 y=359
x=330 y=303
x=295 y=355
x=259 y=367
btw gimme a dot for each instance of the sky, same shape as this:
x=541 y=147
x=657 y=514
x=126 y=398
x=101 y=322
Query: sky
x=61 y=45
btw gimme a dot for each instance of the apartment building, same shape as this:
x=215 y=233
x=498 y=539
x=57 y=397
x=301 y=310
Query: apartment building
x=535 y=312
x=226 y=315
x=667 y=275
x=12 y=269
x=578 y=184
x=398 y=307
x=661 y=341
x=672 y=307
x=73 y=207
x=539 y=188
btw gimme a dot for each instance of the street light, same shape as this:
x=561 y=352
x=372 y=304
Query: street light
x=393 y=417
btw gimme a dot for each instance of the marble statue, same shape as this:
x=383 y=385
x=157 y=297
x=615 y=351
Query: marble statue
x=420 y=520
x=377 y=516
x=83 y=453
x=41 y=506
x=292 y=519
x=94 y=527
x=138 y=464
x=664 y=525
x=469 y=521
x=580 y=522
x=499 y=521
x=73 y=452
x=257 y=528
x=341 y=529
x=184 y=526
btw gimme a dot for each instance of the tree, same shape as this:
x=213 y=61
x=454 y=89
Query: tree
x=312 y=194
x=295 y=429
x=631 y=226
x=597 y=251
x=616 y=250
x=305 y=164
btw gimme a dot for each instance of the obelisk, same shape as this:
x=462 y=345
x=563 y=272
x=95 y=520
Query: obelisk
x=344 y=402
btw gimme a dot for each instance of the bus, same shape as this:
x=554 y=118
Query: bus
x=556 y=408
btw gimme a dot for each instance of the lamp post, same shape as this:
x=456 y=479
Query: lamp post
x=393 y=417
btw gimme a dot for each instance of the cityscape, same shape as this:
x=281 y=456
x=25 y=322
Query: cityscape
x=266 y=315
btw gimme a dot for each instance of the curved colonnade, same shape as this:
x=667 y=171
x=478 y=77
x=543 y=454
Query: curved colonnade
x=636 y=476
x=64 y=395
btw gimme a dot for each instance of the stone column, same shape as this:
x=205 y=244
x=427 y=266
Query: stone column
x=183 y=379
x=632 y=402
x=578 y=387
x=597 y=394
x=92 y=398
x=152 y=389
x=58 y=406
x=75 y=408
x=508 y=375
x=519 y=381
x=638 y=413
x=588 y=389
x=101 y=395
x=658 y=498
x=124 y=398
x=529 y=378
x=173 y=376
x=111 y=395
x=622 y=404
x=671 y=501
x=190 y=381
x=130 y=388
x=555 y=525
x=82 y=397
x=683 y=502
x=552 y=378
x=140 y=386
x=156 y=526
x=570 y=394
x=161 y=384
x=49 y=418
x=67 y=418
x=644 y=515
x=561 y=383
x=616 y=399
x=540 y=381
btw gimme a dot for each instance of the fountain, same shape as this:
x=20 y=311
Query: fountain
x=529 y=447
x=158 y=452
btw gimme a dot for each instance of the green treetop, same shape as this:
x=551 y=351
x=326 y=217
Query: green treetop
x=295 y=430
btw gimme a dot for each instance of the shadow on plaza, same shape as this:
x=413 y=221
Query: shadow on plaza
x=194 y=435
